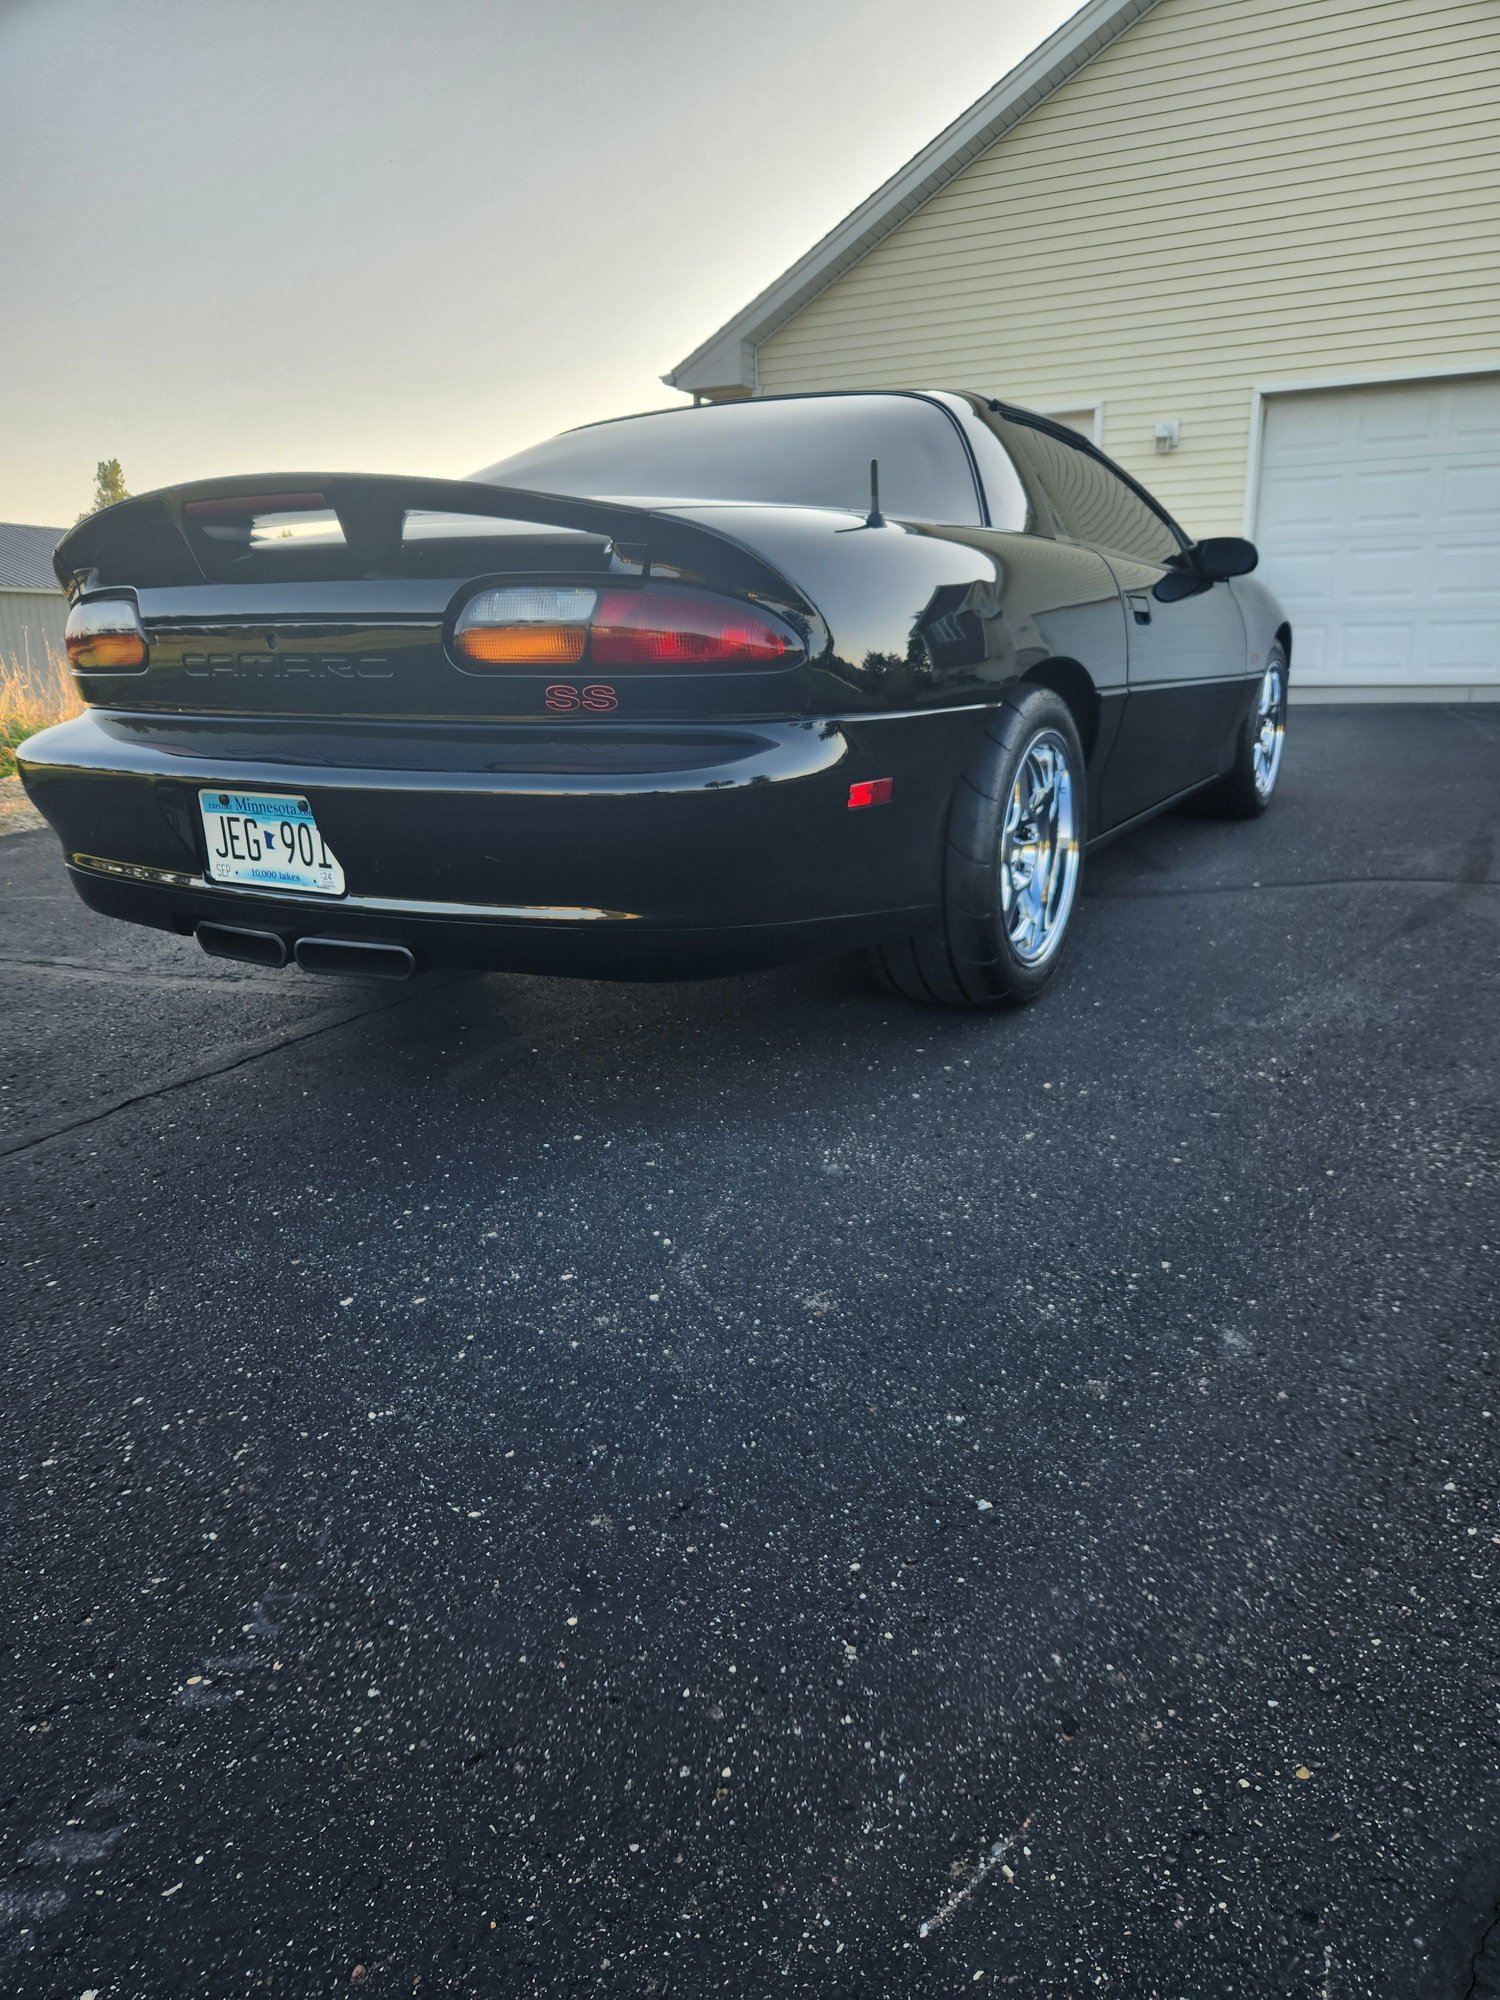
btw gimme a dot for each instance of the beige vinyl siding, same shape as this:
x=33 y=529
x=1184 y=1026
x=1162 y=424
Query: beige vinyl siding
x=1235 y=192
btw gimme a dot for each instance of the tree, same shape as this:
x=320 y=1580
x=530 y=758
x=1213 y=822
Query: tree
x=109 y=486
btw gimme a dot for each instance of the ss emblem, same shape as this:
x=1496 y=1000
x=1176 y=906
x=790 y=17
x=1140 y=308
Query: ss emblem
x=561 y=697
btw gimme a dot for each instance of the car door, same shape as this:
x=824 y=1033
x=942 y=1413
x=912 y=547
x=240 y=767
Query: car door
x=1187 y=657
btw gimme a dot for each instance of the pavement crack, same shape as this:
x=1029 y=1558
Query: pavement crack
x=1263 y=888
x=102 y=975
x=1486 y=1960
x=988 y=1863
x=240 y=1057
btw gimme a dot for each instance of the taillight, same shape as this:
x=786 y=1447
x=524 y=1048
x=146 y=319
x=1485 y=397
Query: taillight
x=685 y=628
x=662 y=630
x=105 y=635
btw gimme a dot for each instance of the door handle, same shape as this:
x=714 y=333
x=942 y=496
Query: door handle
x=1140 y=606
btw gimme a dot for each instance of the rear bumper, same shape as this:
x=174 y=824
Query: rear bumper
x=647 y=851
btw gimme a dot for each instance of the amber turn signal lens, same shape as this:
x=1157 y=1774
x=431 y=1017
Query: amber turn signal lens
x=525 y=625
x=110 y=649
x=105 y=636
x=523 y=645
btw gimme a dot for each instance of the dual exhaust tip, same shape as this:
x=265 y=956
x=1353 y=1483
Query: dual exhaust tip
x=312 y=954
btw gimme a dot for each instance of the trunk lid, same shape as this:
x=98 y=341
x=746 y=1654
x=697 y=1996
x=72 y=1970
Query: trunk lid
x=335 y=595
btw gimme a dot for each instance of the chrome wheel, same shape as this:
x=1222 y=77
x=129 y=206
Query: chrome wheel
x=1039 y=857
x=1268 y=731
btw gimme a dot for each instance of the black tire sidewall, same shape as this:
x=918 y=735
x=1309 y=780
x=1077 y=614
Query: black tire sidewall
x=1236 y=794
x=1276 y=657
x=985 y=962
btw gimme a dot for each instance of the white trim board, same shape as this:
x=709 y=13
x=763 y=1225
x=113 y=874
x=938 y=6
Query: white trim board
x=1068 y=406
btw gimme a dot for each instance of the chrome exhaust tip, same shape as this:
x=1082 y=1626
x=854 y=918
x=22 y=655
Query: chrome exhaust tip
x=349 y=955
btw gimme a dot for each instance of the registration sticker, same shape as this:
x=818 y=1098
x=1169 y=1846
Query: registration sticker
x=268 y=840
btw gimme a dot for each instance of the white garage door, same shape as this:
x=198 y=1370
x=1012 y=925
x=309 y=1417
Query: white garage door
x=1379 y=527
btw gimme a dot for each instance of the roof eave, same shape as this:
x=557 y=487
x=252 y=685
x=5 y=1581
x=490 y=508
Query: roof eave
x=727 y=359
x=725 y=362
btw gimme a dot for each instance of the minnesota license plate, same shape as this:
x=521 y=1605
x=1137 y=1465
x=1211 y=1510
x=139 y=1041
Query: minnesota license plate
x=268 y=840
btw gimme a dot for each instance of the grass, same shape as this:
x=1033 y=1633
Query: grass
x=32 y=696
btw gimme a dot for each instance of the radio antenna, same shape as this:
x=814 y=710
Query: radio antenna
x=875 y=519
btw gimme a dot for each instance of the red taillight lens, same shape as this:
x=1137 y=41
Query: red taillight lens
x=667 y=629
x=521 y=627
x=245 y=505
x=105 y=635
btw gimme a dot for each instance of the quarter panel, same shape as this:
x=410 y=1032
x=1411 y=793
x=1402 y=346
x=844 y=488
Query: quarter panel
x=1263 y=613
x=920 y=615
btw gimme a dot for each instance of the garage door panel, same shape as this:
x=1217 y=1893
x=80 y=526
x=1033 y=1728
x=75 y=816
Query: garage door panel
x=1461 y=647
x=1471 y=496
x=1308 y=573
x=1404 y=420
x=1467 y=568
x=1319 y=438
x=1379 y=526
x=1475 y=418
x=1387 y=577
x=1304 y=500
x=1310 y=649
x=1399 y=494
x=1384 y=647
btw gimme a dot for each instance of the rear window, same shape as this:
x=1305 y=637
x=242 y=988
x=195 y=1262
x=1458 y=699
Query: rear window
x=805 y=451
x=294 y=528
x=269 y=524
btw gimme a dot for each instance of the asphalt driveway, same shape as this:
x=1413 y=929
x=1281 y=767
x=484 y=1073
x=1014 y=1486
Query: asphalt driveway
x=529 y=1488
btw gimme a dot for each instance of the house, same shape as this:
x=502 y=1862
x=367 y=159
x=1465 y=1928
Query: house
x=32 y=606
x=1252 y=248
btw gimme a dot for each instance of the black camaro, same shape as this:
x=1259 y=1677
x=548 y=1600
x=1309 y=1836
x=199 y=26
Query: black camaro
x=677 y=694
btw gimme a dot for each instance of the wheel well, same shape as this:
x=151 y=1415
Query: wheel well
x=1068 y=679
x=1284 y=637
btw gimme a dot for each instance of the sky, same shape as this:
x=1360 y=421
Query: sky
x=415 y=235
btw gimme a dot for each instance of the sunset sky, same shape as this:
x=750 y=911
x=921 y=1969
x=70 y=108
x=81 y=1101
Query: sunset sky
x=326 y=234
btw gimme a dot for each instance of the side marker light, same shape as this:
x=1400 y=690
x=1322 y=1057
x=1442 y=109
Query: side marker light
x=871 y=792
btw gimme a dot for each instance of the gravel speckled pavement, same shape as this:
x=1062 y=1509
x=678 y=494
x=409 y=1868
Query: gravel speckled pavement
x=17 y=813
x=518 y=1488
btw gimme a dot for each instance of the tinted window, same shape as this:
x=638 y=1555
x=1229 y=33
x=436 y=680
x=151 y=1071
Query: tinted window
x=1009 y=503
x=1092 y=503
x=810 y=452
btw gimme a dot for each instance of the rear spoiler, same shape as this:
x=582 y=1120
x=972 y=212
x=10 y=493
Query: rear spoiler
x=200 y=533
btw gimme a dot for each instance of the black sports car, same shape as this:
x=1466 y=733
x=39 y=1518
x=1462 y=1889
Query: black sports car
x=677 y=694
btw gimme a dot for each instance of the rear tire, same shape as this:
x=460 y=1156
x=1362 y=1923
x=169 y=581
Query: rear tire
x=1247 y=788
x=1012 y=866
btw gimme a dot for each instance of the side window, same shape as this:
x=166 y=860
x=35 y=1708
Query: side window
x=1092 y=503
x=1006 y=497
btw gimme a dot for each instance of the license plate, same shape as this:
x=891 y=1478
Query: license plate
x=268 y=840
